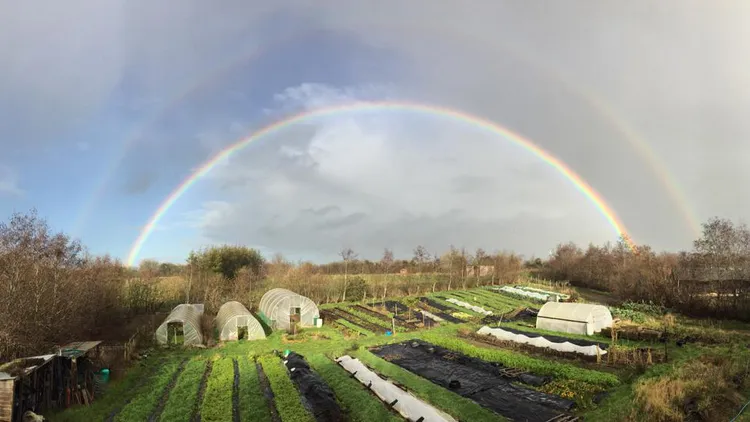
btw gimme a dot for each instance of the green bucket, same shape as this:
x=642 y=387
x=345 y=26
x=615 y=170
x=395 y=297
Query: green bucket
x=104 y=375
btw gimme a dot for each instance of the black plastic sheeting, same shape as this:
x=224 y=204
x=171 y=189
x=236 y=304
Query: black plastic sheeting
x=475 y=379
x=319 y=398
x=558 y=339
x=392 y=306
x=445 y=315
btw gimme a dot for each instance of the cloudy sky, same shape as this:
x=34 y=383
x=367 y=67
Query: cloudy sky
x=107 y=106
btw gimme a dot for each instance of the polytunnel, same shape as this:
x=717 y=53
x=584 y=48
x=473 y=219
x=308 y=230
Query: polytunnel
x=281 y=307
x=235 y=322
x=574 y=318
x=182 y=326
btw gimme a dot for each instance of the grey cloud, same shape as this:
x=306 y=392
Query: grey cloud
x=139 y=183
x=345 y=221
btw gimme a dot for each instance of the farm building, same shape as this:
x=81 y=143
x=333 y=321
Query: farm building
x=282 y=308
x=47 y=382
x=575 y=318
x=235 y=322
x=182 y=326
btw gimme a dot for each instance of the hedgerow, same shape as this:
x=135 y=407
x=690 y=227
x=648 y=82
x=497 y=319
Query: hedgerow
x=285 y=394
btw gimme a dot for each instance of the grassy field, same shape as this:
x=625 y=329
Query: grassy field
x=167 y=386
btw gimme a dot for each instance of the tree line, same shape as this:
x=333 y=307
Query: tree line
x=52 y=291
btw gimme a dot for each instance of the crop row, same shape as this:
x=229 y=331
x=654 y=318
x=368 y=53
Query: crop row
x=217 y=399
x=286 y=395
x=253 y=406
x=446 y=400
x=516 y=360
x=359 y=403
x=354 y=327
x=184 y=391
x=140 y=408
x=489 y=304
x=513 y=302
x=369 y=318
x=456 y=308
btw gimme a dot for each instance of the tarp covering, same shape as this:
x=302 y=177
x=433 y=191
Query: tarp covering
x=477 y=309
x=404 y=403
x=547 y=292
x=432 y=316
x=539 y=341
x=277 y=306
x=475 y=379
x=575 y=318
x=315 y=393
x=190 y=317
x=533 y=295
x=234 y=315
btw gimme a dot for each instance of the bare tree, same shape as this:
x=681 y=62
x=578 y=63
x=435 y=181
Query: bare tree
x=386 y=262
x=347 y=255
x=479 y=257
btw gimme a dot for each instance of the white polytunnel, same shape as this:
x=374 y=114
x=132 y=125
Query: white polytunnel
x=540 y=341
x=404 y=403
x=574 y=318
x=182 y=326
x=235 y=322
x=279 y=306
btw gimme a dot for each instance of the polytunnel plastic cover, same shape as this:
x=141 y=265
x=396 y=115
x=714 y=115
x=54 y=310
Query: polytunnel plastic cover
x=233 y=315
x=580 y=318
x=277 y=304
x=190 y=317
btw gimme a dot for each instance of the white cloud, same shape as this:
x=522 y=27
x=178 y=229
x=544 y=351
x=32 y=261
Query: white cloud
x=384 y=179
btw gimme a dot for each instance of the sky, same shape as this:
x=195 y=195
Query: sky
x=106 y=107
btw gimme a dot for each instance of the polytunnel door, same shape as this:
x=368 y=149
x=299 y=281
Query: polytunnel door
x=295 y=316
x=242 y=332
x=175 y=334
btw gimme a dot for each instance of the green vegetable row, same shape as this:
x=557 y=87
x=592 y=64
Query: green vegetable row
x=446 y=400
x=354 y=327
x=148 y=396
x=217 y=399
x=516 y=360
x=369 y=318
x=185 y=391
x=359 y=403
x=253 y=406
x=285 y=393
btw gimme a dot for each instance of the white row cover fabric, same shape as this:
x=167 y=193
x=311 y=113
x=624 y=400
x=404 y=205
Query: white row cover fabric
x=526 y=293
x=566 y=346
x=277 y=306
x=545 y=292
x=477 y=309
x=575 y=318
x=233 y=315
x=431 y=316
x=407 y=405
x=190 y=317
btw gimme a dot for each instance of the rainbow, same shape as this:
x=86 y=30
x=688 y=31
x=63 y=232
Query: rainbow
x=480 y=122
x=640 y=145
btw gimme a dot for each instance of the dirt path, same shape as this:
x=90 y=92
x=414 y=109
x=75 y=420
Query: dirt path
x=265 y=386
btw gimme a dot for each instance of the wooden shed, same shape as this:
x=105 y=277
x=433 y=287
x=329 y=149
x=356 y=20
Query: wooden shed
x=41 y=383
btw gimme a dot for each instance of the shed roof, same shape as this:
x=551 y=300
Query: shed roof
x=78 y=348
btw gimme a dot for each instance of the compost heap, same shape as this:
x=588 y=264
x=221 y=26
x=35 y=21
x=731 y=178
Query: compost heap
x=319 y=397
x=477 y=380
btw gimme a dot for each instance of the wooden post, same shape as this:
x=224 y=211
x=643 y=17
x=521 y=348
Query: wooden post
x=393 y=323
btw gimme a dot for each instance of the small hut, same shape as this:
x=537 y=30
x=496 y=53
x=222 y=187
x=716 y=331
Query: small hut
x=182 y=326
x=235 y=322
x=574 y=318
x=282 y=308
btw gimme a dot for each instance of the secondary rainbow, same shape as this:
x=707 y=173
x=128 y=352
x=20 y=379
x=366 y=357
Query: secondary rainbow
x=372 y=106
